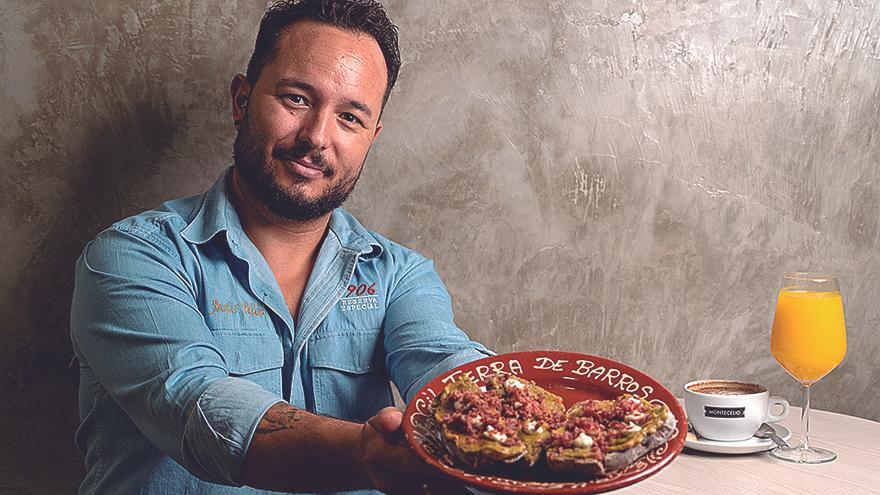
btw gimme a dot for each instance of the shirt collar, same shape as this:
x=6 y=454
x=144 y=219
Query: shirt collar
x=352 y=235
x=217 y=213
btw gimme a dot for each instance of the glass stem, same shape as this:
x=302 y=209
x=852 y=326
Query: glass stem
x=805 y=420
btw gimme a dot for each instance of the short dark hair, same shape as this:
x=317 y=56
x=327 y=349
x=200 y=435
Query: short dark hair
x=367 y=16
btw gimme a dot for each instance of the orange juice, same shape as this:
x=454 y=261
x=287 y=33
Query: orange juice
x=809 y=335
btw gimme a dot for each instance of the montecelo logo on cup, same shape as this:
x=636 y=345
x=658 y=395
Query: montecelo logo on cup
x=360 y=298
x=724 y=412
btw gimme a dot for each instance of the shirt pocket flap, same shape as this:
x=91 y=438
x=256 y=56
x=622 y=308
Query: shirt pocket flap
x=249 y=351
x=350 y=352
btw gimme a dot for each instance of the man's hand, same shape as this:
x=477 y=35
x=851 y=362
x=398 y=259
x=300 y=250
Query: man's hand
x=390 y=464
x=385 y=458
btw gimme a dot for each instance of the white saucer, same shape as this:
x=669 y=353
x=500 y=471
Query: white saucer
x=749 y=446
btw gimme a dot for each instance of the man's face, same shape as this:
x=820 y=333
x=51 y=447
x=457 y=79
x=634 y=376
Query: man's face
x=310 y=119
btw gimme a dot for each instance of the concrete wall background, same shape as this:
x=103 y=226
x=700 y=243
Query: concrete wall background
x=629 y=179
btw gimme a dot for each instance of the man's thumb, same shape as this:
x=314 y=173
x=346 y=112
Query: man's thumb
x=387 y=421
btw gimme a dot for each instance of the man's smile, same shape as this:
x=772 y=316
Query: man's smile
x=305 y=168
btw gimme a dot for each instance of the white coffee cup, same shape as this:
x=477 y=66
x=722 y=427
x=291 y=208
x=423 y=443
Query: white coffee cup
x=730 y=410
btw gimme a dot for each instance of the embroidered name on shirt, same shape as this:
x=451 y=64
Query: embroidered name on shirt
x=250 y=309
x=360 y=297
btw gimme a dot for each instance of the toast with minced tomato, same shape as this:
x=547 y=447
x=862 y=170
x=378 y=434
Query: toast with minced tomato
x=472 y=427
x=536 y=411
x=618 y=432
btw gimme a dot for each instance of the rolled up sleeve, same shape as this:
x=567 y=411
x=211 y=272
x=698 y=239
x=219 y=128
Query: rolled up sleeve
x=135 y=323
x=221 y=426
x=421 y=338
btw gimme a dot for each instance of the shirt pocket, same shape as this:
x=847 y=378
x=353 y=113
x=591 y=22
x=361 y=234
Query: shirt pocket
x=253 y=355
x=348 y=374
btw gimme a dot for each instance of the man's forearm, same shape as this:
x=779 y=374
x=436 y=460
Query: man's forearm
x=294 y=450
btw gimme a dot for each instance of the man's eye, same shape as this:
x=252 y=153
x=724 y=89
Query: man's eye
x=351 y=119
x=295 y=99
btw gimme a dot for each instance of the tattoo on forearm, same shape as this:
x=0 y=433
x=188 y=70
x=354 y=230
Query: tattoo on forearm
x=277 y=421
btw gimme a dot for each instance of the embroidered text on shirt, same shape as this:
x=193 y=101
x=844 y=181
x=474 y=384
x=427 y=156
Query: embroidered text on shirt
x=360 y=297
x=251 y=309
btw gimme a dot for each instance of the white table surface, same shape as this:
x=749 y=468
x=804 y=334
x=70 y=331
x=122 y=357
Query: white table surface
x=856 y=470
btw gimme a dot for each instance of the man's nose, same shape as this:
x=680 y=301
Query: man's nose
x=315 y=129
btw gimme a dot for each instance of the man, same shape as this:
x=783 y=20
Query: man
x=219 y=336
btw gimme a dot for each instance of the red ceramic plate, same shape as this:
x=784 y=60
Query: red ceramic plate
x=572 y=376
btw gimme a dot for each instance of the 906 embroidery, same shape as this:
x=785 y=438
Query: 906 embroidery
x=361 y=289
x=360 y=297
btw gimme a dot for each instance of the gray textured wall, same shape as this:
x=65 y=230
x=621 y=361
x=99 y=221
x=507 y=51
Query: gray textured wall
x=628 y=179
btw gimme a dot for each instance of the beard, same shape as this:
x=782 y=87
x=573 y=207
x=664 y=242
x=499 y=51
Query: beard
x=292 y=204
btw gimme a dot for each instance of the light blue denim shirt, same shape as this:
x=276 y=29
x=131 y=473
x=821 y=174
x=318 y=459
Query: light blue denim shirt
x=184 y=341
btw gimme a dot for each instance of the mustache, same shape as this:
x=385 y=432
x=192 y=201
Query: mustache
x=300 y=150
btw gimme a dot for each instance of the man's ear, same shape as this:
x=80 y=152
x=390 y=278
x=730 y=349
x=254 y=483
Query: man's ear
x=240 y=89
x=378 y=129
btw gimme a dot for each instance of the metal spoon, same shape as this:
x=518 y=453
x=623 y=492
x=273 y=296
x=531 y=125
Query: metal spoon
x=692 y=430
x=767 y=431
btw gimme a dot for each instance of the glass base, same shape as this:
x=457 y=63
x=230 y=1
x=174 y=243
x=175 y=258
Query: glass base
x=800 y=455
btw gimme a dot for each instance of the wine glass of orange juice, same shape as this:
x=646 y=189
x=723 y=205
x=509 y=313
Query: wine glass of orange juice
x=808 y=340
